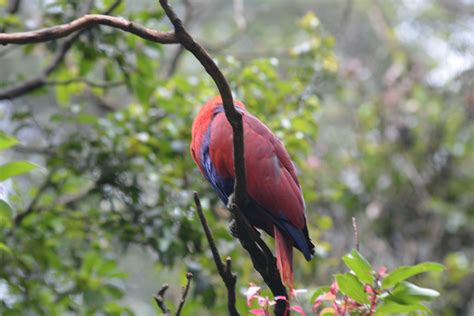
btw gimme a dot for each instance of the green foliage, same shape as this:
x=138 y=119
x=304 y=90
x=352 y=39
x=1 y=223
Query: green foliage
x=7 y=141
x=370 y=135
x=352 y=287
x=363 y=291
x=360 y=266
x=14 y=168
x=405 y=272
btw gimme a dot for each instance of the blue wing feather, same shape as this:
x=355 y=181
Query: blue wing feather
x=223 y=186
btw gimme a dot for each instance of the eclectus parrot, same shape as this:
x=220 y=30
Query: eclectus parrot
x=276 y=204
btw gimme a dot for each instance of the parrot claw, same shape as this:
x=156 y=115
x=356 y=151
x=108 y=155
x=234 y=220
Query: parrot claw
x=233 y=229
x=230 y=201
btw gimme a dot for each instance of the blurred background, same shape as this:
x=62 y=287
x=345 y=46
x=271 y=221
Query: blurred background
x=373 y=99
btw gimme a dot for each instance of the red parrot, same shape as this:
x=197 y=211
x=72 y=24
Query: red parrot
x=276 y=205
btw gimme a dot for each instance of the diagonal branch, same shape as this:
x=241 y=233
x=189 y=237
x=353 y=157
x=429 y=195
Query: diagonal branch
x=18 y=219
x=262 y=259
x=225 y=272
x=160 y=300
x=233 y=116
x=160 y=297
x=189 y=277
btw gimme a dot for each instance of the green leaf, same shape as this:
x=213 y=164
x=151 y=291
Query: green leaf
x=404 y=272
x=360 y=266
x=351 y=286
x=5 y=248
x=7 y=141
x=5 y=214
x=409 y=293
x=86 y=118
x=15 y=168
x=388 y=307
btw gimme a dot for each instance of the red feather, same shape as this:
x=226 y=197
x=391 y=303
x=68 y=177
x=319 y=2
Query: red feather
x=271 y=177
x=284 y=255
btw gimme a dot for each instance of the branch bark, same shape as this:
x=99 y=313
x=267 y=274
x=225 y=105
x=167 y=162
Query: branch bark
x=18 y=219
x=84 y=22
x=262 y=258
x=225 y=272
x=189 y=277
x=160 y=300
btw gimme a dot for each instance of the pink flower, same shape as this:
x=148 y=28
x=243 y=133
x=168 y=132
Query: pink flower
x=264 y=301
x=382 y=272
x=298 y=309
x=334 y=288
x=328 y=296
x=259 y=311
x=252 y=293
x=369 y=290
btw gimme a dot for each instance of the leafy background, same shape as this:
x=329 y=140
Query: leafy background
x=373 y=99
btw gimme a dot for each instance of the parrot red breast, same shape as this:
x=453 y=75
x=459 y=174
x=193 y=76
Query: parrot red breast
x=277 y=204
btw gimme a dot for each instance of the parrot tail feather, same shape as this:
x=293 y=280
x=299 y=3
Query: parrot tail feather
x=284 y=256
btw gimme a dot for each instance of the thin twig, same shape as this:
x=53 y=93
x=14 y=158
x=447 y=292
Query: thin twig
x=18 y=219
x=225 y=272
x=356 y=233
x=88 y=82
x=189 y=277
x=160 y=300
x=188 y=17
x=210 y=238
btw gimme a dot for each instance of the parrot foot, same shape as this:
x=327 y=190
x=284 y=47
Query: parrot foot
x=233 y=229
x=230 y=201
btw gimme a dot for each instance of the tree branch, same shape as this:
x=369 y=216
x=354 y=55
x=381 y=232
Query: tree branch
x=262 y=258
x=91 y=83
x=226 y=274
x=18 y=219
x=160 y=297
x=84 y=22
x=160 y=300
x=189 y=277
x=233 y=116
